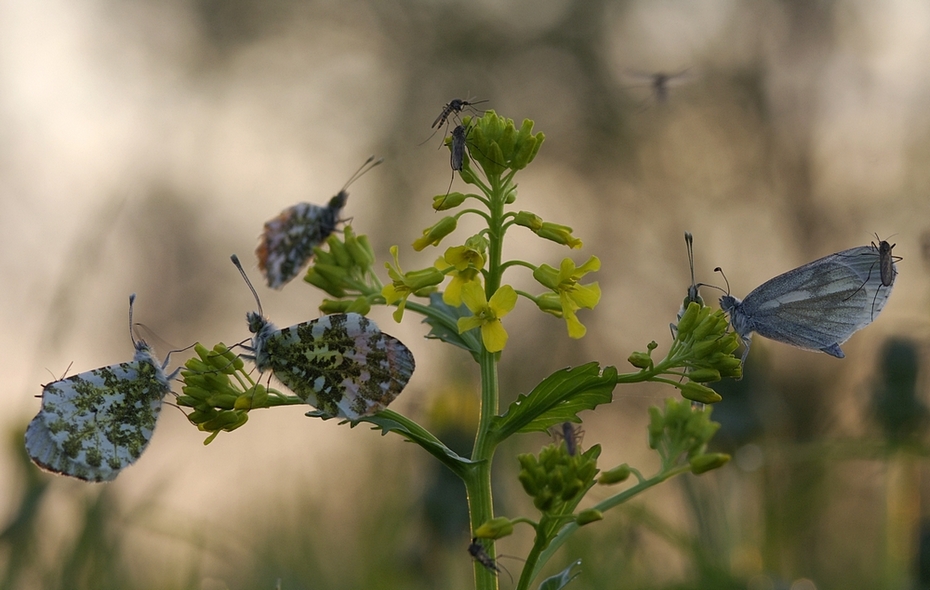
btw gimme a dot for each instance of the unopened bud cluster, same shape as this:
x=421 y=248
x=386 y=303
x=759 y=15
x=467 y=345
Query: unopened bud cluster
x=557 y=478
x=496 y=144
x=710 y=346
x=343 y=269
x=218 y=403
x=680 y=431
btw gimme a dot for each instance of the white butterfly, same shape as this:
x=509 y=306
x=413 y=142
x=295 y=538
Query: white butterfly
x=95 y=424
x=819 y=305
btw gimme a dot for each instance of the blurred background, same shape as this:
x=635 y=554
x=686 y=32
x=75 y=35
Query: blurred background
x=143 y=142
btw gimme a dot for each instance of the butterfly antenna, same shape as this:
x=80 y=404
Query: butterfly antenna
x=720 y=270
x=245 y=277
x=132 y=299
x=362 y=170
x=689 y=242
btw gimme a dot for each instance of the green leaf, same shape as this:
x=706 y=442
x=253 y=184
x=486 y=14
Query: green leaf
x=443 y=322
x=561 y=579
x=558 y=398
x=391 y=421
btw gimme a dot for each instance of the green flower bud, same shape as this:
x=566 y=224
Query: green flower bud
x=449 y=201
x=560 y=234
x=615 y=475
x=588 y=516
x=689 y=320
x=329 y=306
x=699 y=393
x=704 y=375
x=360 y=305
x=550 y=302
x=704 y=463
x=704 y=348
x=362 y=254
x=705 y=328
x=201 y=415
x=530 y=220
x=320 y=281
x=323 y=256
x=734 y=372
x=221 y=420
x=224 y=401
x=656 y=426
x=507 y=140
x=640 y=360
x=421 y=279
x=544 y=501
x=195 y=393
x=188 y=401
x=547 y=276
x=496 y=528
x=466 y=173
x=339 y=251
x=433 y=235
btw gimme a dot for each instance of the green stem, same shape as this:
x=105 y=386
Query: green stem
x=478 y=483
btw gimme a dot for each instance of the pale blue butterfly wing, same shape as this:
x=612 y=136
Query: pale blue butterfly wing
x=817 y=306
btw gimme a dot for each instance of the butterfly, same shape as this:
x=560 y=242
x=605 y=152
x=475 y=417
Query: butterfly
x=817 y=306
x=95 y=424
x=341 y=364
x=287 y=242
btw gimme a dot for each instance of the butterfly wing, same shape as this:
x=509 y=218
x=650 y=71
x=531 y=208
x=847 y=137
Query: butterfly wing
x=341 y=364
x=93 y=425
x=287 y=242
x=818 y=306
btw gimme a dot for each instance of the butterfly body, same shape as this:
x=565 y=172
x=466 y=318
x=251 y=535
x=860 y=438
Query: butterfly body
x=817 y=306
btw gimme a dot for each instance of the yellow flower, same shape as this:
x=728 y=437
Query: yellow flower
x=404 y=285
x=468 y=260
x=487 y=314
x=565 y=283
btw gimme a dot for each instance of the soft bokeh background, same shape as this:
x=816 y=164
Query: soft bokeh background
x=143 y=142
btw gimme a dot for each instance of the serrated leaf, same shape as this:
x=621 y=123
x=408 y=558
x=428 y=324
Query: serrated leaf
x=444 y=325
x=390 y=421
x=561 y=579
x=558 y=398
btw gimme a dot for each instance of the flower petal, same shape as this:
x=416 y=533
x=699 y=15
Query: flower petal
x=473 y=297
x=494 y=336
x=503 y=301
